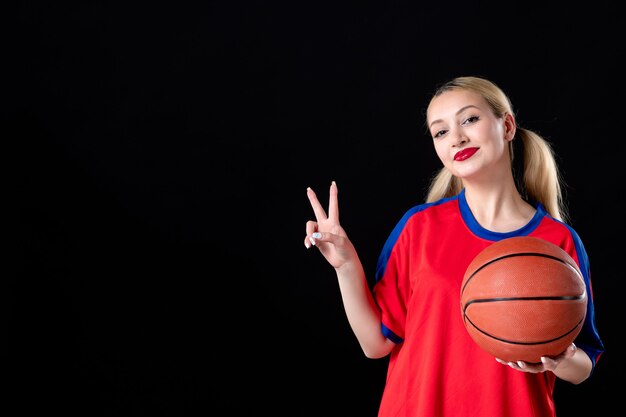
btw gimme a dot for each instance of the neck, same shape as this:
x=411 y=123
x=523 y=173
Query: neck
x=498 y=207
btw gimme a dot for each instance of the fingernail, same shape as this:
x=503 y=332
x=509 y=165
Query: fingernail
x=317 y=235
x=307 y=245
x=312 y=241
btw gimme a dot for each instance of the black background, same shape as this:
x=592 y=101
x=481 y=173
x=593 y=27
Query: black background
x=162 y=154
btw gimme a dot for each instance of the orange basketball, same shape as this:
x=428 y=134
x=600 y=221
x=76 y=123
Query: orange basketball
x=523 y=298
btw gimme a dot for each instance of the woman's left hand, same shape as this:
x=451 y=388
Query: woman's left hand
x=547 y=363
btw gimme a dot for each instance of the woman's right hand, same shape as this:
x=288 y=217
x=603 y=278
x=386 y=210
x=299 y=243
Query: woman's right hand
x=326 y=233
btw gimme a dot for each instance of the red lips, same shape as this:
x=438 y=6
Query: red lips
x=463 y=154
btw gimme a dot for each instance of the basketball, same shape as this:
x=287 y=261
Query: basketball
x=523 y=298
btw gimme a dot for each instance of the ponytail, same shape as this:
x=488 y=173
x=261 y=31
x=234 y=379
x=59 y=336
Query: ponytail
x=541 y=179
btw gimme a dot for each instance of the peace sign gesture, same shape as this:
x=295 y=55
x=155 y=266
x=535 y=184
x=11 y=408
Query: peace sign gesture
x=326 y=233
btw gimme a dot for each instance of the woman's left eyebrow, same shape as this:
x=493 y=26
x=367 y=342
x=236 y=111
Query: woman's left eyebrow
x=461 y=110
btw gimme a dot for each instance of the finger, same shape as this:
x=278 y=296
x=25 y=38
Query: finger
x=311 y=240
x=321 y=237
x=311 y=227
x=333 y=203
x=548 y=363
x=320 y=214
x=572 y=349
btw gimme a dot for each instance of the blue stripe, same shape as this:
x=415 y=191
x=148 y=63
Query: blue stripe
x=397 y=230
x=483 y=233
x=391 y=335
x=588 y=339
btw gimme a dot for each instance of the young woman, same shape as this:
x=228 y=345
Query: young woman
x=412 y=312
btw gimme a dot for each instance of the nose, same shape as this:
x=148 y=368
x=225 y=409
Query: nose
x=459 y=138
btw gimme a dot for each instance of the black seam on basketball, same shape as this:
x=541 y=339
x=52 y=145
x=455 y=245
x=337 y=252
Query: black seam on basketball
x=497 y=299
x=521 y=343
x=512 y=255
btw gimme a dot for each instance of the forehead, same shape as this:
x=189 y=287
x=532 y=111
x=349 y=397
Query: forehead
x=450 y=102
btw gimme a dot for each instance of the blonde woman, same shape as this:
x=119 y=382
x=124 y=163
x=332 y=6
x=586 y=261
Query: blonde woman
x=412 y=311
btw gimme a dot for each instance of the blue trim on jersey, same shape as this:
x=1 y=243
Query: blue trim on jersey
x=395 y=234
x=391 y=335
x=478 y=230
x=588 y=339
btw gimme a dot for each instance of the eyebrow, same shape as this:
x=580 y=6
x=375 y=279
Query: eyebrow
x=461 y=110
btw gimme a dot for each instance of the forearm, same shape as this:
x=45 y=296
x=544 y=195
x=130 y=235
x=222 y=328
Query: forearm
x=575 y=369
x=363 y=314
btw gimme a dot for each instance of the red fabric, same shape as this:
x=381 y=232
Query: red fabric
x=438 y=370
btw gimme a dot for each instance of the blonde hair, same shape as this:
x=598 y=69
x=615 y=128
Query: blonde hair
x=541 y=180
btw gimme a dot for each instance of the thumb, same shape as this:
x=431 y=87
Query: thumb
x=571 y=350
x=314 y=238
x=325 y=237
x=318 y=236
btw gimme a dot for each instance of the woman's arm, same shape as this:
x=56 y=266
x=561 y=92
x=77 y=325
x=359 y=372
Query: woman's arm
x=333 y=243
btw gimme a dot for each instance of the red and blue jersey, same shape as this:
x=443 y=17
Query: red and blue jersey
x=436 y=369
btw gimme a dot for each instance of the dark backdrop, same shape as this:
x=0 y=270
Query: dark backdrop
x=162 y=154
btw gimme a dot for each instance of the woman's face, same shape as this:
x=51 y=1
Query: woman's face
x=469 y=139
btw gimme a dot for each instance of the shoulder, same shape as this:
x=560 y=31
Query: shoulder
x=558 y=228
x=424 y=216
x=439 y=207
x=563 y=235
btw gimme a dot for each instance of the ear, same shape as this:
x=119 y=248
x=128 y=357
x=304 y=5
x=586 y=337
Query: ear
x=509 y=126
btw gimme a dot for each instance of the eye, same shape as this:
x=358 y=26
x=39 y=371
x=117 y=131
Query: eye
x=439 y=133
x=470 y=120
